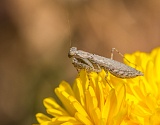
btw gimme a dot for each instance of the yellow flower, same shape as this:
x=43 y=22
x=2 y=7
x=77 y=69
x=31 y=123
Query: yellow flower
x=90 y=102
x=145 y=92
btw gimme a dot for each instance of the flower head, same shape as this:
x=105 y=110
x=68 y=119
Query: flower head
x=145 y=92
x=91 y=101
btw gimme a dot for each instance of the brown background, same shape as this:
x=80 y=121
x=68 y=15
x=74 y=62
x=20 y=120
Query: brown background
x=35 y=37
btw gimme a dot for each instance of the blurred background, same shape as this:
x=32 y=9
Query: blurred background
x=35 y=37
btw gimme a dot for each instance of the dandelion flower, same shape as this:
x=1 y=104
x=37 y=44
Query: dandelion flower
x=145 y=92
x=90 y=101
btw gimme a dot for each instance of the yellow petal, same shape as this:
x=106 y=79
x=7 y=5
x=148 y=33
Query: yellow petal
x=56 y=113
x=96 y=116
x=50 y=103
x=63 y=96
x=93 y=77
x=113 y=105
x=121 y=96
x=72 y=123
x=79 y=92
x=79 y=108
x=101 y=95
x=42 y=118
x=64 y=86
x=84 y=120
x=157 y=65
x=63 y=119
x=150 y=73
x=151 y=102
x=155 y=118
x=91 y=99
x=107 y=107
x=84 y=79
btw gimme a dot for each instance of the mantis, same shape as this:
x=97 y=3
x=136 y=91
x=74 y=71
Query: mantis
x=93 y=62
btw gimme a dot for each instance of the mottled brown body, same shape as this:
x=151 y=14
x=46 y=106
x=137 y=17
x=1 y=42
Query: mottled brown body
x=93 y=62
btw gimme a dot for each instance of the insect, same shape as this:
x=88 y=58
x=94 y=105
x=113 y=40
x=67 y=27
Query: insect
x=93 y=62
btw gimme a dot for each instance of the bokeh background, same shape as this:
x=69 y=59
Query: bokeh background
x=35 y=37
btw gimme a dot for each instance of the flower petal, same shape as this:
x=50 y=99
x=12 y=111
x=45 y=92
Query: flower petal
x=64 y=97
x=84 y=120
x=64 y=86
x=53 y=108
x=42 y=118
x=79 y=92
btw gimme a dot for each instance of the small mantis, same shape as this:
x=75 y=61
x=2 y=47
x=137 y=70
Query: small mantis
x=93 y=62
